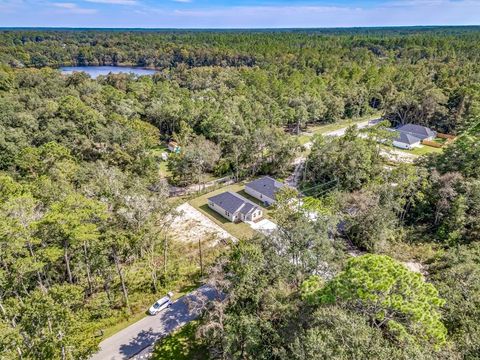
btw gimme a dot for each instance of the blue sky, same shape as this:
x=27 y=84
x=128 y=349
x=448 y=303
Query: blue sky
x=237 y=13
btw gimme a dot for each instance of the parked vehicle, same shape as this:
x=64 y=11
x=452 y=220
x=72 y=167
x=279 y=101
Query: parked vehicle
x=161 y=304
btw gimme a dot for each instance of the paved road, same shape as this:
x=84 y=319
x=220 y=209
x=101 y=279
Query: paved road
x=144 y=333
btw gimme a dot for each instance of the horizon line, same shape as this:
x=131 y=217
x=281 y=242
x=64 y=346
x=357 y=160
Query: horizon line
x=233 y=28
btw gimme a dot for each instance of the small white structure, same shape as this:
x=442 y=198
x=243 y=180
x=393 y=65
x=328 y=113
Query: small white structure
x=174 y=147
x=264 y=189
x=234 y=207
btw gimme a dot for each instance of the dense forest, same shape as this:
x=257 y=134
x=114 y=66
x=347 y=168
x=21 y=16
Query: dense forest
x=84 y=212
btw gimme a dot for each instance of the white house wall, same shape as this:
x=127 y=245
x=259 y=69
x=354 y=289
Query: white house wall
x=255 y=215
x=258 y=195
x=401 y=145
x=221 y=211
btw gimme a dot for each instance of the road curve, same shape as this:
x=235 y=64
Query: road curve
x=141 y=335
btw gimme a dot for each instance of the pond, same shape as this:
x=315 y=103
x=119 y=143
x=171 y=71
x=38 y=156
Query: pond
x=95 y=71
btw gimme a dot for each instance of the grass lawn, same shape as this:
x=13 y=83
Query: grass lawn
x=424 y=150
x=181 y=345
x=239 y=230
x=440 y=140
x=303 y=139
x=163 y=170
x=109 y=331
x=418 y=151
x=157 y=152
x=322 y=129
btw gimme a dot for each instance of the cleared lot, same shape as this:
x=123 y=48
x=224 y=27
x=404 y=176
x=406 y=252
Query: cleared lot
x=190 y=225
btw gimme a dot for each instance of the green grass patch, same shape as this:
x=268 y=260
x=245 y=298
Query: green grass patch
x=266 y=211
x=425 y=150
x=109 y=331
x=322 y=129
x=163 y=170
x=181 y=345
x=440 y=140
x=418 y=151
x=303 y=139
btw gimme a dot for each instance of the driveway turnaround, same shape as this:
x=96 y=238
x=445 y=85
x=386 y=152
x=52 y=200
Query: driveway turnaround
x=265 y=226
x=136 y=338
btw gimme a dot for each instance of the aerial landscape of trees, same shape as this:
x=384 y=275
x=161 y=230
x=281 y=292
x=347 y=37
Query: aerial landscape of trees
x=85 y=209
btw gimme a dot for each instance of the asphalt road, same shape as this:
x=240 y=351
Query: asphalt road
x=140 y=336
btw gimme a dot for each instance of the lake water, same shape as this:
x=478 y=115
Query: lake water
x=95 y=71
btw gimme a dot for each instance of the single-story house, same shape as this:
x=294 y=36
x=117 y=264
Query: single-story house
x=173 y=147
x=419 y=131
x=264 y=189
x=411 y=135
x=235 y=207
x=406 y=141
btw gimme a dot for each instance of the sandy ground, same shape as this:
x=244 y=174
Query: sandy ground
x=398 y=156
x=415 y=267
x=190 y=225
x=264 y=226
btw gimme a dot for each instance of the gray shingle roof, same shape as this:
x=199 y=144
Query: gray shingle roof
x=266 y=186
x=248 y=207
x=232 y=202
x=407 y=138
x=418 y=131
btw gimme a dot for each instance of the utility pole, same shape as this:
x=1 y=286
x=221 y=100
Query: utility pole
x=165 y=244
x=201 y=256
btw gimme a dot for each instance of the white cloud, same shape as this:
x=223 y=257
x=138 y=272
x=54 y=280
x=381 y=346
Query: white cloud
x=391 y=13
x=159 y=14
x=183 y=1
x=114 y=2
x=71 y=8
x=65 y=5
x=10 y=5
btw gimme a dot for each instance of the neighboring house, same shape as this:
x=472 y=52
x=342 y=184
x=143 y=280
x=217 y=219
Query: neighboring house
x=174 y=147
x=264 y=189
x=406 y=141
x=235 y=207
x=411 y=135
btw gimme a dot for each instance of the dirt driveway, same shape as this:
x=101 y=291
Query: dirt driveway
x=264 y=226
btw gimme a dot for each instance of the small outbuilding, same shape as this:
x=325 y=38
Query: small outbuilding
x=235 y=207
x=173 y=147
x=264 y=189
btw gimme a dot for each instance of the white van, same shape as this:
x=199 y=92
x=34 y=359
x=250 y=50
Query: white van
x=161 y=304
